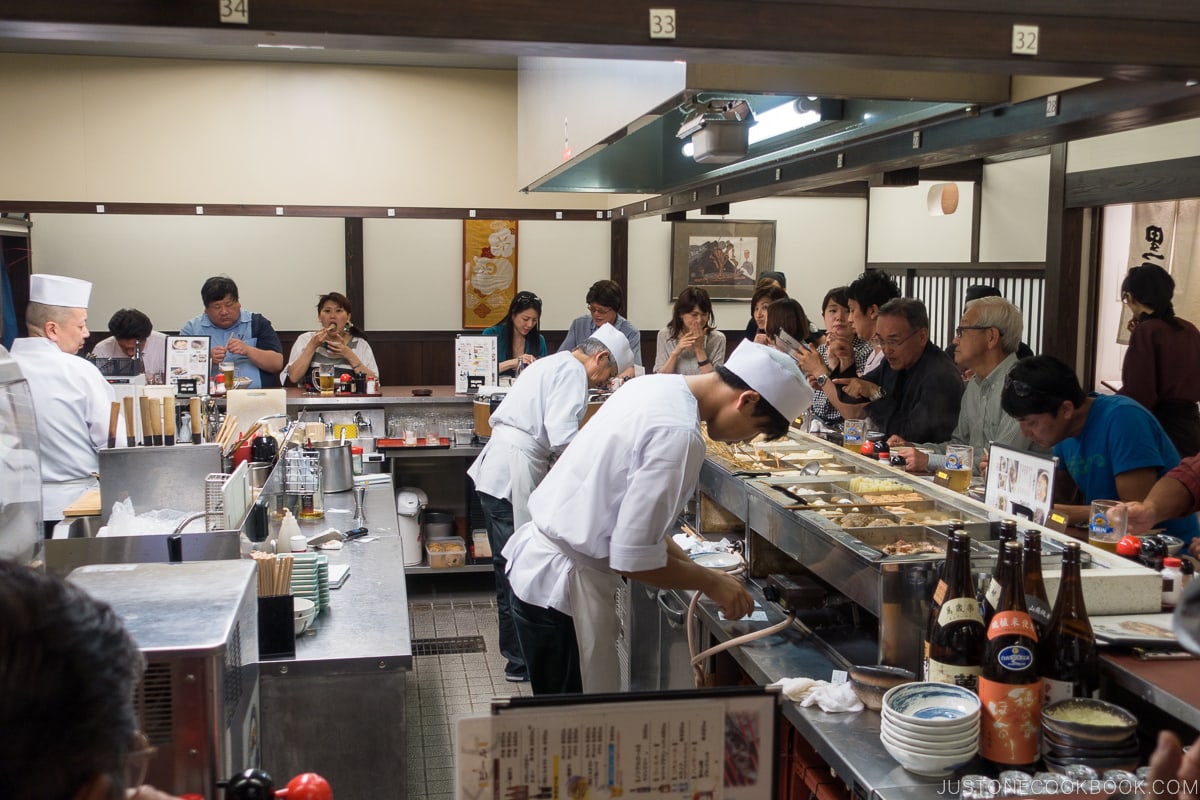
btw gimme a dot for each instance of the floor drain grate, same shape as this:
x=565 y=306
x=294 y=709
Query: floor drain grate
x=452 y=645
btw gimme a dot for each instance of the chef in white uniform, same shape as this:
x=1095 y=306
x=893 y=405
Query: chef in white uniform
x=71 y=400
x=536 y=420
x=606 y=507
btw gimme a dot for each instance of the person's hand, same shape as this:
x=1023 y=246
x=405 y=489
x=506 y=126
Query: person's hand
x=686 y=341
x=237 y=346
x=857 y=387
x=730 y=595
x=218 y=354
x=914 y=460
x=983 y=465
x=895 y=440
x=1173 y=773
x=762 y=338
x=841 y=348
x=1140 y=517
x=810 y=362
x=147 y=792
x=526 y=359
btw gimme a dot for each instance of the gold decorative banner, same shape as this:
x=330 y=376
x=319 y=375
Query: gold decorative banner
x=489 y=270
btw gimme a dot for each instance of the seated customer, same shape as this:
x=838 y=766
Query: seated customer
x=691 y=343
x=133 y=333
x=916 y=393
x=775 y=280
x=1111 y=446
x=867 y=294
x=1175 y=495
x=246 y=338
x=518 y=340
x=786 y=315
x=986 y=339
x=604 y=301
x=978 y=291
x=841 y=345
x=763 y=297
x=68 y=674
x=338 y=343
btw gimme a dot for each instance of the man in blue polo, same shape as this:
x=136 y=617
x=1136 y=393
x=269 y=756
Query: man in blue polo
x=247 y=339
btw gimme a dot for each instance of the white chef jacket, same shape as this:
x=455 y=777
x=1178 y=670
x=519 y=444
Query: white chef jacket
x=614 y=492
x=71 y=402
x=544 y=407
x=154 y=357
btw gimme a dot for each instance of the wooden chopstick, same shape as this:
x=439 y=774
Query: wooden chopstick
x=245 y=437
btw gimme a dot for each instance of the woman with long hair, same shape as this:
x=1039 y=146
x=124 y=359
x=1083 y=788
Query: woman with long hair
x=518 y=340
x=691 y=343
x=1162 y=365
x=337 y=342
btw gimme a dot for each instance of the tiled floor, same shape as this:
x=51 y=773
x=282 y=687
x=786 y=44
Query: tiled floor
x=443 y=688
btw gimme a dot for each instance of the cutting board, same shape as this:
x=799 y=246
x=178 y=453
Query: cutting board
x=86 y=505
x=249 y=405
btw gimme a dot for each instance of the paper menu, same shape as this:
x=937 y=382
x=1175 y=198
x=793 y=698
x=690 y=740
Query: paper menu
x=696 y=749
x=475 y=357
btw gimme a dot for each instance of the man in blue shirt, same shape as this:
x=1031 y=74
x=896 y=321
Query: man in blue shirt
x=1112 y=447
x=604 y=300
x=247 y=339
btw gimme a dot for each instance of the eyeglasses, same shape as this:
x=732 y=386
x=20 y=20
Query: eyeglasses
x=137 y=760
x=892 y=344
x=1019 y=388
x=599 y=310
x=959 y=330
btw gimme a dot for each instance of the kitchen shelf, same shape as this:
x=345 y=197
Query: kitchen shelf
x=454 y=451
x=424 y=569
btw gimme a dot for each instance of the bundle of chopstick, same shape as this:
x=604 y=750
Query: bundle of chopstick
x=227 y=433
x=274 y=574
x=240 y=440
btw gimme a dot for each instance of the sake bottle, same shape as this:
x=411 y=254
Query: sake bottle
x=1067 y=659
x=1008 y=533
x=935 y=604
x=957 y=637
x=1036 y=600
x=1010 y=688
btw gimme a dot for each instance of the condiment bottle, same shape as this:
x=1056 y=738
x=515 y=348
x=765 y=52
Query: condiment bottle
x=219 y=385
x=288 y=527
x=957 y=636
x=1036 y=600
x=1187 y=570
x=356 y=459
x=1172 y=581
x=1067 y=658
x=1010 y=689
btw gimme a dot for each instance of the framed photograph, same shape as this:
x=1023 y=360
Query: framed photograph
x=489 y=270
x=724 y=258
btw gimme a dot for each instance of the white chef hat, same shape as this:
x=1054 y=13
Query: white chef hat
x=57 y=290
x=617 y=344
x=772 y=374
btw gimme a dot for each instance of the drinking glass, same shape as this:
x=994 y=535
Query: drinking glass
x=1106 y=525
x=960 y=459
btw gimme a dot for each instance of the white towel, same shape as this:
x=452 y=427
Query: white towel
x=831 y=698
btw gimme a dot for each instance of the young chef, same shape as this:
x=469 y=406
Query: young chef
x=536 y=421
x=70 y=398
x=605 y=509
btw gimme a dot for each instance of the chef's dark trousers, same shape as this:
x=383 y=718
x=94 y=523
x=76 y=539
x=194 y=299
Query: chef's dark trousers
x=498 y=518
x=551 y=652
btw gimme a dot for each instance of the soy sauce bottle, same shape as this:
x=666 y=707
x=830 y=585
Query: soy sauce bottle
x=1036 y=600
x=1010 y=688
x=1067 y=658
x=957 y=636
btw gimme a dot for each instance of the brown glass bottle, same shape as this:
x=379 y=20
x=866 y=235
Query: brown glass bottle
x=1010 y=689
x=957 y=637
x=935 y=603
x=1067 y=659
x=1008 y=533
x=1036 y=601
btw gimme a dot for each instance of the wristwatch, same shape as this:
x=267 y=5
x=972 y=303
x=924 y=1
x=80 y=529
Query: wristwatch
x=822 y=380
x=880 y=393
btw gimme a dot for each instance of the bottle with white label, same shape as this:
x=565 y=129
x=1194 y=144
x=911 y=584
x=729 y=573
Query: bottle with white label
x=1008 y=533
x=1010 y=688
x=957 y=636
x=1035 y=589
x=1067 y=658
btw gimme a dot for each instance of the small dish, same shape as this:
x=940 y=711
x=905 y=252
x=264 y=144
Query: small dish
x=721 y=561
x=932 y=704
x=422 y=392
x=1087 y=720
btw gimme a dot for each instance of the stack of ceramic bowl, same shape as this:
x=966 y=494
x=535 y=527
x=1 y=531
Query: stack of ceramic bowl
x=1081 y=730
x=931 y=729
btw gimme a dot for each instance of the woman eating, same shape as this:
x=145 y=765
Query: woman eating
x=518 y=341
x=338 y=344
x=690 y=344
x=762 y=298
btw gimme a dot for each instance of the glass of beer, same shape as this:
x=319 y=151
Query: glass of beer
x=1106 y=525
x=854 y=433
x=322 y=375
x=960 y=459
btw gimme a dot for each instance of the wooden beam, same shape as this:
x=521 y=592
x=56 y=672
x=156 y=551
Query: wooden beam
x=619 y=258
x=360 y=212
x=966 y=171
x=1064 y=234
x=909 y=176
x=715 y=210
x=354 y=270
x=1139 y=183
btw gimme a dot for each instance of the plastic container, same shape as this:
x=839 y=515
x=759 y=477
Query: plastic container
x=438 y=524
x=1172 y=582
x=445 y=552
x=356 y=459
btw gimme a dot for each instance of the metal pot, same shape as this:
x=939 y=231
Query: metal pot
x=337 y=466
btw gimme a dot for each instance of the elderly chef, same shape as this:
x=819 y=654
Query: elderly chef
x=606 y=508
x=70 y=398
x=538 y=418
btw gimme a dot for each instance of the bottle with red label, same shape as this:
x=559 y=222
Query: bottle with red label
x=957 y=636
x=1010 y=688
x=1067 y=658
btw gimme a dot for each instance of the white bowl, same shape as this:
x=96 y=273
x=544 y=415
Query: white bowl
x=304 y=611
x=933 y=766
x=962 y=747
x=936 y=705
x=930 y=736
x=937 y=727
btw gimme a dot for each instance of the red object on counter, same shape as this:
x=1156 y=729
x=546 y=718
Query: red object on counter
x=867 y=449
x=307 y=786
x=1129 y=546
x=241 y=454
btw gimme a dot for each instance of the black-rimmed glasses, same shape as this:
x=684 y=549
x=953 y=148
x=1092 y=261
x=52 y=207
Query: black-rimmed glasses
x=892 y=344
x=958 y=332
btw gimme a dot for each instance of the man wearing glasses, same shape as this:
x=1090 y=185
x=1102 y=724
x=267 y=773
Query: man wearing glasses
x=68 y=673
x=1110 y=445
x=604 y=300
x=986 y=342
x=915 y=394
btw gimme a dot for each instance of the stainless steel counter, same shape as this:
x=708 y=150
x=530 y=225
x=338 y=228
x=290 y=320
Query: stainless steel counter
x=338 y=707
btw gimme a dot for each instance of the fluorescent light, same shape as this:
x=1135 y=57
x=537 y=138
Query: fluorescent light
x=290 y=46
x=780 y=120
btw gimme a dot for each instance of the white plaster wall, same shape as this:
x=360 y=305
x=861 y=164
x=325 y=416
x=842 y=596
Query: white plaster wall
x=902 y=230
x=1155 y=143
x=1015 y=204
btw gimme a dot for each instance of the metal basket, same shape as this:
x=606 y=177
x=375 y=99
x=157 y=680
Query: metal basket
x=301 y=472
x=214 y=501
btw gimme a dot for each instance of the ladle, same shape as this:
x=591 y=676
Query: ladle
x=811 y=468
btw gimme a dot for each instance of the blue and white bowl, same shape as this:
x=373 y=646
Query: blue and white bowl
x=934 y=705
x=922 y=733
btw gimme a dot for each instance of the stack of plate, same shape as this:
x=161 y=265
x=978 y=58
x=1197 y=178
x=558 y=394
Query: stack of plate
x=310 y=578
x=1085 y=731
x=930 y=728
